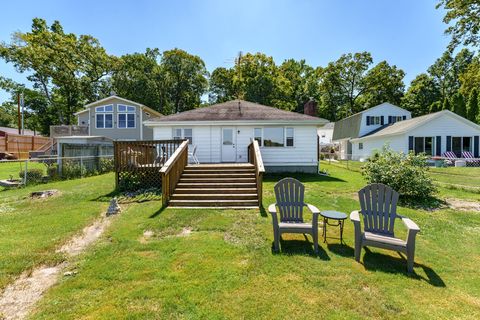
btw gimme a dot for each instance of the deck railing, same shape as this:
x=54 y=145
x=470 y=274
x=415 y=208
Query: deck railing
x=255 y=158
x=172 y=170
x=138 y=163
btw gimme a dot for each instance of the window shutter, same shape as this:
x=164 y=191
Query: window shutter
x=382 y=121
x=368 y=120
x=438 y=146
x=410 y=143
x=389 y=119
x=404 y=117
x=449 y=143
x=476 y=146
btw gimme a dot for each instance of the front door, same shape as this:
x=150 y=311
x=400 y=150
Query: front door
x=229 y=148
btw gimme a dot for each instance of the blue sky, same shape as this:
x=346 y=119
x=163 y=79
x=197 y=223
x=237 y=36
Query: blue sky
x=406 y=33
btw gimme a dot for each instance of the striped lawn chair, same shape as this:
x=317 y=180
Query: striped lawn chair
x=470 y=159
x=451 y=157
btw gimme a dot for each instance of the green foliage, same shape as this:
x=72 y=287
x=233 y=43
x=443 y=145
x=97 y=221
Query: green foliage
x=473 y=106
x=435 y=107
x=422 y=93
x=72 y=169
x=407 y=174
x=446 y=104
x=458 y=105
x=463 y=20
x=33 y=175
x=106 y=165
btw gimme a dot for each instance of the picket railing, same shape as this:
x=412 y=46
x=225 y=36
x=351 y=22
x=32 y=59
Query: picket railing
x=255 y=158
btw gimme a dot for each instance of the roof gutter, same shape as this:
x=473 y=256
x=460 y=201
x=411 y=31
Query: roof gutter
x=150 y=123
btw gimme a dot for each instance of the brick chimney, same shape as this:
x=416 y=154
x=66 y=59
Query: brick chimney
x=310 y=108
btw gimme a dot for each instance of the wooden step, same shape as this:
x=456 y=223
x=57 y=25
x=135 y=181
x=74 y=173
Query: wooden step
x=218 y=175
x=214 y=196
x=214 y=203
x=220 y=190
x=213 y=180
x=215 y=166
x=214 y=184
x=231 y=171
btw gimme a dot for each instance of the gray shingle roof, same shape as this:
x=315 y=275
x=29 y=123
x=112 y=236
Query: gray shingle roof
x=237 y=110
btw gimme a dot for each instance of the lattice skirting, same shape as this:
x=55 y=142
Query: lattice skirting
x=139 y=179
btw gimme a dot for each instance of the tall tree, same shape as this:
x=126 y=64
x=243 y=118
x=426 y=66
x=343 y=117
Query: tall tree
x=139 y=77
x=463 y=18
x=185 y=80
x=473 y=113
x=420 y=95
x=470 y=77
x=446 y=105
x=385 y=84
x=222 y=85
x=458 y=105
x=67 y=69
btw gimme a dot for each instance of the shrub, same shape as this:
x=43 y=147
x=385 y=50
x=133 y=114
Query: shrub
x=33 y=175
x=407 y=174
x=106 y=165
x=72 y=169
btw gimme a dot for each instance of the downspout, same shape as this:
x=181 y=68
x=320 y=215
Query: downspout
x=141 y=123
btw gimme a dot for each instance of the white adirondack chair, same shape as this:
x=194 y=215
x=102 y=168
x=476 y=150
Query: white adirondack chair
x=289 y=195
x=378 y=204
x=193 y=155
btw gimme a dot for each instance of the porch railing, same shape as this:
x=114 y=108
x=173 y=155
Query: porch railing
x=172 y=170
x=255 y=158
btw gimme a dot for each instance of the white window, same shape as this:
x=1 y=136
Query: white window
x=289 y=137
x=274 y=136
x=183 y=133
x=360 y=146
x=107 y=108
x=424 y=145
x=257 y=135
x=461 y=144
x=104 y=117
x=125 y=116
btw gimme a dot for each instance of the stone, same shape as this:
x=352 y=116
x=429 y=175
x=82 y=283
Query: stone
x=114 y=207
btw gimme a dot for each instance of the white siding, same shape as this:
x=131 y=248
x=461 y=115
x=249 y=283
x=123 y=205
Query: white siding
x=397 y=143
x=208 y=142
x=384 y=110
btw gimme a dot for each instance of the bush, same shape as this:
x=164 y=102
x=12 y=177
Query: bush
x=72 y=169
x=33 y=175
x=106 y=165
x=407 y=174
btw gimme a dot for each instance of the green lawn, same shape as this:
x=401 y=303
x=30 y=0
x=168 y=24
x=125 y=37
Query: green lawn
x=30 y=230
x=225 y=268
x=13 y=168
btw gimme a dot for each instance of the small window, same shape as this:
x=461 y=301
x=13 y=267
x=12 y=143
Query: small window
x=124 y=108
x=177 y=134
x=108 y=108
x=360 y=146
x=273 y=137
x=257 y=135
x=289 y=140
x=187 y=134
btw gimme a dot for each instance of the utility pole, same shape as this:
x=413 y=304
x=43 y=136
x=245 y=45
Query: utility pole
x=22 y=104
x=18 y=114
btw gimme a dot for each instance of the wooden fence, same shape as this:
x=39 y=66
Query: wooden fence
x=20 y=146
x=138 y=163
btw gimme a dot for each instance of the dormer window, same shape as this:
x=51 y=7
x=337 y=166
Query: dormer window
x=374 y=120
x=393 y=119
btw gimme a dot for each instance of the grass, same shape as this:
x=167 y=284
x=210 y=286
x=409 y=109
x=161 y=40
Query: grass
x=31 y=229
x=13 y=168
x=225 y=268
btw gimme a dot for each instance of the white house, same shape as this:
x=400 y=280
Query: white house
x=222 y=133
x=434 y=134
x=325 y=134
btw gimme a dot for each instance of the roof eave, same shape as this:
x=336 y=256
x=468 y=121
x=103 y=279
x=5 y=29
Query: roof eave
x=150 y=123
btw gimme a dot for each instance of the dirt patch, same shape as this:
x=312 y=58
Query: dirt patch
x=463 y=205
x=44 y=194
x=185 y=232
x=18 y=298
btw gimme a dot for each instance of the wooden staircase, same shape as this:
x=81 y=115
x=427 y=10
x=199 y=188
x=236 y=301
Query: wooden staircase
x=217 y=185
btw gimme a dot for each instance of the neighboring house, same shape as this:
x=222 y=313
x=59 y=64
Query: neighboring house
x=117 y=118
x=434 y=134
x=325 y=134
x=363 y=123
x=222 y=133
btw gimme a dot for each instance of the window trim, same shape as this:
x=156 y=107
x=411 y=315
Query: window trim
x=182 y=134
x=126 y=108
x=434 y=145
x=103 y=114
x=97 y=109
x=262 y=144
x=126 y=120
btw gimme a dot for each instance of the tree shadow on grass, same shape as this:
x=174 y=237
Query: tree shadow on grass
x=158 y=212
x=380 y=262
x=301 y=247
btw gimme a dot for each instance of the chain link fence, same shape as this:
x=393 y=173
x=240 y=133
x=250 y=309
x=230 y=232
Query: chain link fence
x=16 y=173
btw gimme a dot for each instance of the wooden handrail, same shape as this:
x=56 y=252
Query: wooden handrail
x=255 y=158
x=172 y=170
